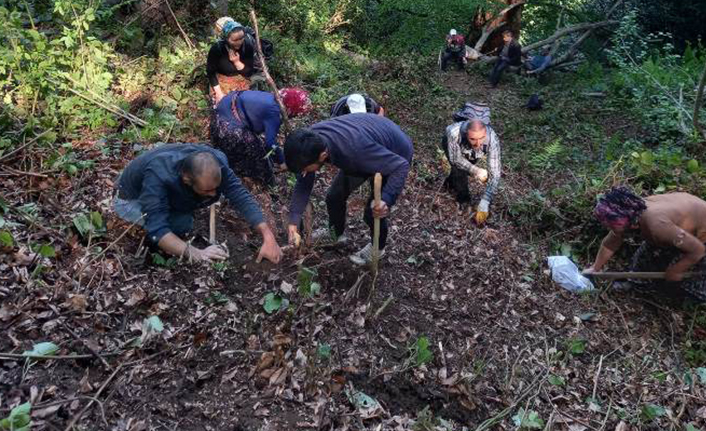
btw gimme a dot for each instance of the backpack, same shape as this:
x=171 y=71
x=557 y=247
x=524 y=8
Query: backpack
x=268 y=47
x=534 y=103
x=473 y=111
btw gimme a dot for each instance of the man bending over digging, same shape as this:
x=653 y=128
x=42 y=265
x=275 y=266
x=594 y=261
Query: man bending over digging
x=360 y=145
x=673 y=227
x=161 y=188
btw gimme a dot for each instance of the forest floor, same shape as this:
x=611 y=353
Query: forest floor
x=507 y=345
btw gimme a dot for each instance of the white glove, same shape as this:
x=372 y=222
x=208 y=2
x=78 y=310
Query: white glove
x=483 y=206
x=482 y=175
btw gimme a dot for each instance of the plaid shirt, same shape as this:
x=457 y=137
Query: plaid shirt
x=464 y=157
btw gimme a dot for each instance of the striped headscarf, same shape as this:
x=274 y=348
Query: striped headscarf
x=620 y=207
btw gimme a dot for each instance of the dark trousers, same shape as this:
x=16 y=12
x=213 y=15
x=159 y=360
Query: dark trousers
x=451 y=55
x=497 y=72
x=457 y=182
x=336 y=203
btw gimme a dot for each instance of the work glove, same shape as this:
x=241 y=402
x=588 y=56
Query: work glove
x=482 y=211
x=482 y=175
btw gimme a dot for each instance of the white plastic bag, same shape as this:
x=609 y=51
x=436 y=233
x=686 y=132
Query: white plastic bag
x=567 y=275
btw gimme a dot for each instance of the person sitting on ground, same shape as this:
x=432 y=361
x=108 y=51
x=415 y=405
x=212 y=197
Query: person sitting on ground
x=161 y=188
x=237 y=122
x=356 y=103
x=455 y=50
x=360 y=145
x=673 y=229
x=537 y=64
x=232 y=59
x=510 y=55
x=465 y=144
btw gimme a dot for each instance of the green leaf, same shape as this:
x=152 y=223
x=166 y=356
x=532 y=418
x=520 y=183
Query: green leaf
x=6 y=239
x=556 y=380
x=153 y=323
x=3 y=205
x=42 y=349
x=96 y=219
x=47 y=250
x=305 y=279
x=272 y=303
x=646 y=158
x=82 y=224
x=701 y=372
x=692 y=166
x=692 y=427
x=651 y=412
x=216 y=298
x=528 y=419
x=576 y=346
x=19 y=419
x=324 y=351
x=420 y=352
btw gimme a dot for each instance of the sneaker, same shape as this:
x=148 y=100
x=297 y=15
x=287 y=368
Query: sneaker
x=324 y=235
x=365 y=255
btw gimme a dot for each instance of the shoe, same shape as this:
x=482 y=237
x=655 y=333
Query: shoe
x=365 y=255
x=324 y=235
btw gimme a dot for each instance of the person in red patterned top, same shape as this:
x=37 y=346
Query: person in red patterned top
x=455 y=50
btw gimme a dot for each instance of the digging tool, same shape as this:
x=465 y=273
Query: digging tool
x=212 y=225
x=635 y=275
x=377 y=192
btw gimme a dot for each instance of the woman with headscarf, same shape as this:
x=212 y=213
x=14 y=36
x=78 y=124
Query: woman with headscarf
x=232 y=63
x=239 y=120
x=673 y=227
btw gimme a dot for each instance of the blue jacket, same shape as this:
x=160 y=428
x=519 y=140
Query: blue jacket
x=154 y=179
x=360 y=145
x=259 y=112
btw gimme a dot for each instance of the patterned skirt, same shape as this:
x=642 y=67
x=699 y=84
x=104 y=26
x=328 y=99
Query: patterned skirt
x=651 y=258
x=245 y=150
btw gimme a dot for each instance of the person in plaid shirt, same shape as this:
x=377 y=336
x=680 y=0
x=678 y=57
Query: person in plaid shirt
x=465 y=144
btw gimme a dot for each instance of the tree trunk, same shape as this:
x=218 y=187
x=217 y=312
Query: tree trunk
x=512 y=20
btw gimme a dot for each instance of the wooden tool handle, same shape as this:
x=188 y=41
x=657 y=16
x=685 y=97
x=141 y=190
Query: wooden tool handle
x=377 y=189
x=636 y=275
x=377 y=197
x=212 y=225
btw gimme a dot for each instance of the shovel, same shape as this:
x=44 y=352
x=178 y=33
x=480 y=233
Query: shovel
x=634 y=275
x=377 y=196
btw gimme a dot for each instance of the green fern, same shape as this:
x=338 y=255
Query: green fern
x=548 y=155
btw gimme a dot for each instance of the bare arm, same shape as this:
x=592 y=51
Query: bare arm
x=610 y=244
x=692 y=249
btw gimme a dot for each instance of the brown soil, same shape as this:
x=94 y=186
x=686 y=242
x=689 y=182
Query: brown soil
x=497 y=326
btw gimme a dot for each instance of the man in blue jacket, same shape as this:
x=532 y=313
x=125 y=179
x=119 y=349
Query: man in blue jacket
x=360 y=145
x=237 y=122
x=161 y=188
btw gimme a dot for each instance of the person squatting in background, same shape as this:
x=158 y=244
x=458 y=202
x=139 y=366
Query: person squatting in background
x=232 y=63
x=465 y=143
x=455 y=50
x=356 y=103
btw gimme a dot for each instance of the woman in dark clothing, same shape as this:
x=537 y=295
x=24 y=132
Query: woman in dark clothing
x=236 y=124
x=232 y=56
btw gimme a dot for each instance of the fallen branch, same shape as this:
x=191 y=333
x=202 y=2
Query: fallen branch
x=265 y=70
x=572 y=50
x=183 y=33
x=32 y=141
x=90 y=349
x=568 y=30
x=699 y=104
x=97 y=100
x=495 y=23
x=90 y=403
x=14 y=356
